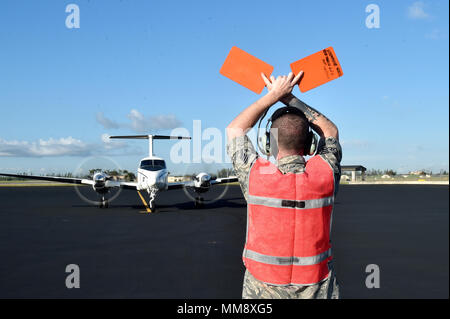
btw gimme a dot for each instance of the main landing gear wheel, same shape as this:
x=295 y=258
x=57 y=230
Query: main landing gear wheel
x=199 y=202
x=103 y=203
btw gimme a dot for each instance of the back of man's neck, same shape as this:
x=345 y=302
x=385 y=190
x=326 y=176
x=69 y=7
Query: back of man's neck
x=286 y=154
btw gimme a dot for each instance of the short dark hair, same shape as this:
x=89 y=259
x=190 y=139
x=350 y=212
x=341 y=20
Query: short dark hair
x=292 y=132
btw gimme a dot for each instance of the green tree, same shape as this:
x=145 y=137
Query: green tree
x=390 y=172
x=224 y=172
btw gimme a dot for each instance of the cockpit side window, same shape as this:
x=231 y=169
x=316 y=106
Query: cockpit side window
x=153 y=165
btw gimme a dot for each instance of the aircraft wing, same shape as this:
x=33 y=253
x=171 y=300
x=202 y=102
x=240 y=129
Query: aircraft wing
x=125 y=185
x=180 y=185
x=192 y=184
x=223 y=180
x=53 y=179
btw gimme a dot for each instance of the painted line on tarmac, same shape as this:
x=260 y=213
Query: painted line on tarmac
x=145 y=203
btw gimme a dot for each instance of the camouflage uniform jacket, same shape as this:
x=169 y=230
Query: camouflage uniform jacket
x=243 y=155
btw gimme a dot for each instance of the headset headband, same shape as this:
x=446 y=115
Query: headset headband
x=286 y=110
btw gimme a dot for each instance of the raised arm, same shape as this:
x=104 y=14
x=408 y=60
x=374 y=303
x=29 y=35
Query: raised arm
x=319 y=122
x=280 y=87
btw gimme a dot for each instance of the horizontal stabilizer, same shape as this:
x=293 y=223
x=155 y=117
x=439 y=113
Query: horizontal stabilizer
x=167 y=137
x=155 y=137
x=150 y=139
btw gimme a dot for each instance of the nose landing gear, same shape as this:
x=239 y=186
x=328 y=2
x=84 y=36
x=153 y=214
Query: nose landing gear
x=103 y=202
x=151 y=202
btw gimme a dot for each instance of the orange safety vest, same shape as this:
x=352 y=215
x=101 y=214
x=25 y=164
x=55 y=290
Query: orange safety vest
x=288 y=223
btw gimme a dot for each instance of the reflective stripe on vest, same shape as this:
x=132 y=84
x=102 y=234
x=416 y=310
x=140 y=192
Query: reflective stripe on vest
x=297 y=261
x=289 y=222
x=290 y=203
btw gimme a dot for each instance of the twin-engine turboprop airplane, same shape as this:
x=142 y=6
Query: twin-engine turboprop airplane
x=152 y=176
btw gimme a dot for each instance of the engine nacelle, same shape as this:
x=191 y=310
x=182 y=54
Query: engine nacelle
x=202 y=182
x=100 y=179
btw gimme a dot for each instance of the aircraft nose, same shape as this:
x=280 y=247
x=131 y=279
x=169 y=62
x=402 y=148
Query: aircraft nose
x=150 y=179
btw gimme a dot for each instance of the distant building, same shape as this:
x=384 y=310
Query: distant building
x=353 y=169
x=174 y=179
x=418 y=173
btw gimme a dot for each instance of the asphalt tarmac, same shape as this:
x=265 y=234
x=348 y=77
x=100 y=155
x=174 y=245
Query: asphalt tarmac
x=183 y=252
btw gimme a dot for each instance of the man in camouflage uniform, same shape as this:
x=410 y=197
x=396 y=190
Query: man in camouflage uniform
x=243 y=155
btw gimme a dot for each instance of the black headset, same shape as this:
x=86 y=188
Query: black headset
x=267 y=143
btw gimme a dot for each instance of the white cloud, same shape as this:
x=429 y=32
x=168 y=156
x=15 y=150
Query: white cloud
x=105 y=122
x=141 y=124
x=436 y=34
x=50 y=147
x=105 y=138
x=112 y=144
x=417 y=11
x=65 y=146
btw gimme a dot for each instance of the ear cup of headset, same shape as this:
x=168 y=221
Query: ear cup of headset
x=313 y=146
x=264 y=143
x=261 y=142
x=273 y=145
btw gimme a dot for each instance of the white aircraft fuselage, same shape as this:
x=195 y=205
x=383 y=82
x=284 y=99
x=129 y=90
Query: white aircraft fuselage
x=152 y=174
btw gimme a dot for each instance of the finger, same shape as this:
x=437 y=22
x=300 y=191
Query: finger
x=290 y=76
x=265 y=79
x=297 y=78
x=272 y=78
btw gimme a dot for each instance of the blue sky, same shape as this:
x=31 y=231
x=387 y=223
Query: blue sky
x=146 y=66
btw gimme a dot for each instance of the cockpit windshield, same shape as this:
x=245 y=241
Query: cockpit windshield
x=153 y=165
